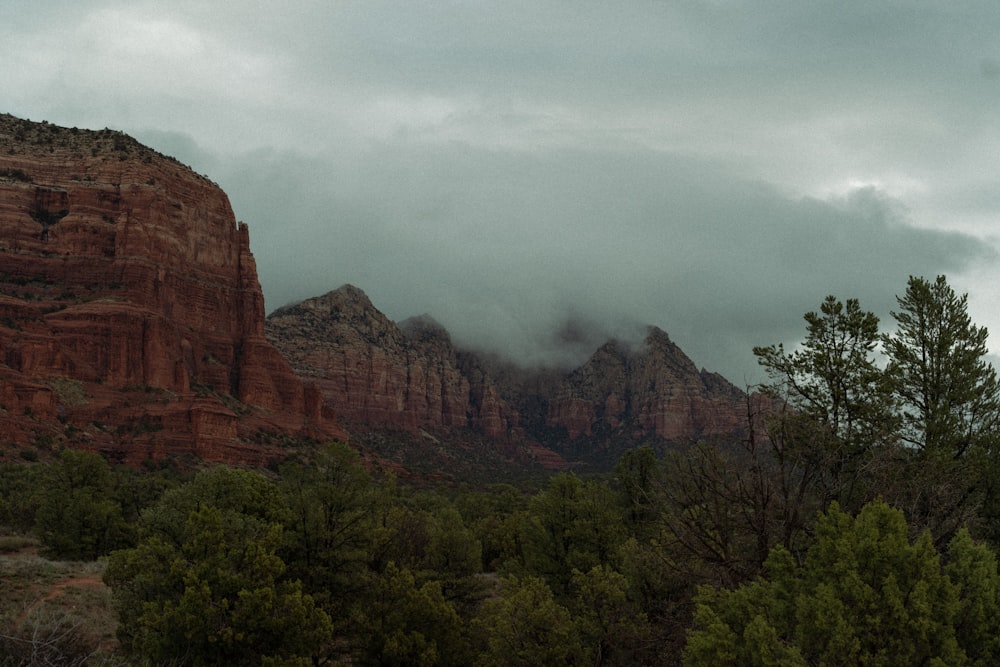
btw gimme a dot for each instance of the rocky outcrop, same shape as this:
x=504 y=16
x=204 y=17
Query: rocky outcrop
x=650 y=391
x=125 y=277
x=375 y=373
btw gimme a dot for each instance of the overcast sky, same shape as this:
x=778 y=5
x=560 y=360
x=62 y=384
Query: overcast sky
x=712 y=168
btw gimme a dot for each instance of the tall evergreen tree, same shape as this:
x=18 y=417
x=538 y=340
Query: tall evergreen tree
x=949 y=392
x=833 y=377
x=841 y=408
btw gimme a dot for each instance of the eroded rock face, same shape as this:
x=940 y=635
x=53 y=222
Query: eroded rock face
x=653 y=391
x=123 y=270
x=375 y=373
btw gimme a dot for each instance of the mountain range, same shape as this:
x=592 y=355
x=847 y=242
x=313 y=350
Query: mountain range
x=132 y=323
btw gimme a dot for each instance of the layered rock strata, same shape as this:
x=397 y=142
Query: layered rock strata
x=653 y=390
x=130 y=311
x=375 y=373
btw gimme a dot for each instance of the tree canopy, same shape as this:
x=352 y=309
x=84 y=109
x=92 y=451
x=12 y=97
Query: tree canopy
x=937 y=363
x=849 y=525
x=205 y=585
x=865 y=594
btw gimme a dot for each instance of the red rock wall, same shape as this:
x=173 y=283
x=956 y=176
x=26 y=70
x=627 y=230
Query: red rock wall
x=120 y=267
x=373 y=372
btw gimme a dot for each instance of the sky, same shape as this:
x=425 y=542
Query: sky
x=541 y=175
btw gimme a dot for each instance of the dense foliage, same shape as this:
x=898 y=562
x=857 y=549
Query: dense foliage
x=863 y=595
x=853 y=525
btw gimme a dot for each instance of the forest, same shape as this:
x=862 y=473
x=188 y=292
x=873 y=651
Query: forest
x=856 y=523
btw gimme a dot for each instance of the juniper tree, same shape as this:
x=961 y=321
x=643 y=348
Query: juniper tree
x=205 y=585
x=865 y=594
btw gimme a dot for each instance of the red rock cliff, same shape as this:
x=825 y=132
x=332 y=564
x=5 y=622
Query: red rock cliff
x=376 y=373
x=653 y=391
x=129 y=304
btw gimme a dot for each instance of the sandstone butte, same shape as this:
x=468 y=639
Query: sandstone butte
x=131 y=317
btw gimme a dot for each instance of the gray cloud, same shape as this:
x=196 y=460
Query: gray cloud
x=611 y=241
x=713 y=168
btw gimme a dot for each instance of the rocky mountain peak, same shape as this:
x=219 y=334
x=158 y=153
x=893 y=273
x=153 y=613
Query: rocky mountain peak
x=375 y=372
x=411 y=376
x=346 y=298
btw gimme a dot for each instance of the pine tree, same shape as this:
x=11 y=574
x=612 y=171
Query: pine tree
x=950 y=409
x=950 y=393
x=841 y=411
x=834 y=378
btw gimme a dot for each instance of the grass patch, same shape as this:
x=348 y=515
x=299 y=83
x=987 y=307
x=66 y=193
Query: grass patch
x=13 y=543
x=54 y=612
x=69 y=392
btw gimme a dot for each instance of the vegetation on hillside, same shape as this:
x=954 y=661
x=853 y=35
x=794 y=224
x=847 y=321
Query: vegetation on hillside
x=856 y=524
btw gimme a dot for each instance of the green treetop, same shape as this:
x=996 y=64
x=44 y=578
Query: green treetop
x=865 y=594
x=950 y=393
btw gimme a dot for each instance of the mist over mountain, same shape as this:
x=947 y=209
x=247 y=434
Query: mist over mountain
x=712 y=169
x=525 y=358
x=611 y=243
x=411 y=376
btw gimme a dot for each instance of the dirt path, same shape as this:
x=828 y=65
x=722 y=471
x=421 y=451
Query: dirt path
x=57 y=589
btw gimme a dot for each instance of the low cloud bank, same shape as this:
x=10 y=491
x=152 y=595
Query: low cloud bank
x=542 y=255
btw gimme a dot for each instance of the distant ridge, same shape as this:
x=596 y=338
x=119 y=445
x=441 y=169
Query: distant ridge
x=374 y=373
